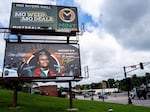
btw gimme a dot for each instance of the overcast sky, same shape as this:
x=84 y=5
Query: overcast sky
x=116 y=34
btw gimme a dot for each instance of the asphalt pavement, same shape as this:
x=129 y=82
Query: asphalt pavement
x=118 y=99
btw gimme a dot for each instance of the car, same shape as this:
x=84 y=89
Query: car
x=133 y=93
x=86 y=95
x=10 y=72
x=102 y=96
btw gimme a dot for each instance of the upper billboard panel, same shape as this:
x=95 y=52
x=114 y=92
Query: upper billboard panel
x=52 y=19
x=41 y=60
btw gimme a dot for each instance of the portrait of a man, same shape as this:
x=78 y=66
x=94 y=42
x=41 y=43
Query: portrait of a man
x=40 y=64
x=43 y=68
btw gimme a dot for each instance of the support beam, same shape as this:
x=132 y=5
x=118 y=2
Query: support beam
x=70 y=99
x=70 y=94
x=15 y=94
x=19 y=38
x=68 y=39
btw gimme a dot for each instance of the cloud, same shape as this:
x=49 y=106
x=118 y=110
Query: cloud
x=106 y=57
x=128 y=22
x=101 y=52
x=121 y=37
x=91 y=7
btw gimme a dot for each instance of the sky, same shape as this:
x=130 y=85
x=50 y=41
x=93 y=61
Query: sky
x=116 y=35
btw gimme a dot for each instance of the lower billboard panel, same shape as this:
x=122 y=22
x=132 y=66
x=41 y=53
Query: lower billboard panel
x=28 y=60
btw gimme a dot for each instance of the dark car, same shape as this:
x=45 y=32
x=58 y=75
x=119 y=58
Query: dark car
x=102 y=96
x=141 y=93
x=86 y=95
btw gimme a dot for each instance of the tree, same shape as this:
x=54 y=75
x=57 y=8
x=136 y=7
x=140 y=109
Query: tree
x=147 y=75
x=123 y=85
x=78 y=87
x=9 y=84
x=95 y=85
x=111 y=83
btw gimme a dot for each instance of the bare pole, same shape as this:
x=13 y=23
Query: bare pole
x=15 y=94
x=70 y=94
x=125 y=75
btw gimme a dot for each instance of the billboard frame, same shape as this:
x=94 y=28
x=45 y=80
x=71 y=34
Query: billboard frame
x=48 y=79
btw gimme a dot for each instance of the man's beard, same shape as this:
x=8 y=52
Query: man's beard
x=44 y=68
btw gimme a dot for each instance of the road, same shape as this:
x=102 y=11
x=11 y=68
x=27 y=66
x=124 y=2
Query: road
x=119 y=99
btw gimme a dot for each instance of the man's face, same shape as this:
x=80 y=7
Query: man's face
x=43 y=61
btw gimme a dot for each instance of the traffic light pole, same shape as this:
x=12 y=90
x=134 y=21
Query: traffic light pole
x=141 y=66
x=125 y=75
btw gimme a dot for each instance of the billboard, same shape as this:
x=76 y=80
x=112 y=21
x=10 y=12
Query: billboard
x=34 y=60
x=43 y=17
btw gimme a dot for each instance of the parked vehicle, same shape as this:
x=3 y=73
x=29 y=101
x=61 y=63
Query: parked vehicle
x=141 y=92
x=102 y=96
x=86 y=95
x=133 y=93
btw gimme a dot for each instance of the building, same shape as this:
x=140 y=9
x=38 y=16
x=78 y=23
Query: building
x=49 y=90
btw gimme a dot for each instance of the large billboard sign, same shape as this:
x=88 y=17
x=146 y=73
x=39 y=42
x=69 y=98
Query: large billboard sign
x=41 y=61
x=26 y=17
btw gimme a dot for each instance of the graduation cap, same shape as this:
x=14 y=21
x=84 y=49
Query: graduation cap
x=42 y=52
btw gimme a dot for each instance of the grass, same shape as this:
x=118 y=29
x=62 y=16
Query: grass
x=37 y=103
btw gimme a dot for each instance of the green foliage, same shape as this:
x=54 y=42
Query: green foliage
x=111 y=83
x=120 y=84
x=38 y=103
x=8 y=84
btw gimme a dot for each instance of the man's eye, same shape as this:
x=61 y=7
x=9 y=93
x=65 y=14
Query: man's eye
x=44 y=59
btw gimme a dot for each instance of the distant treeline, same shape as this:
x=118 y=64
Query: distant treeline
x=122 y=85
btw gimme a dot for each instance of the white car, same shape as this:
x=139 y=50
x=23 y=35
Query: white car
x=9 y=73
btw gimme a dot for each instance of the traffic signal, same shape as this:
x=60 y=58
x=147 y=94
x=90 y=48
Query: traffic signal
x=141 y=66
